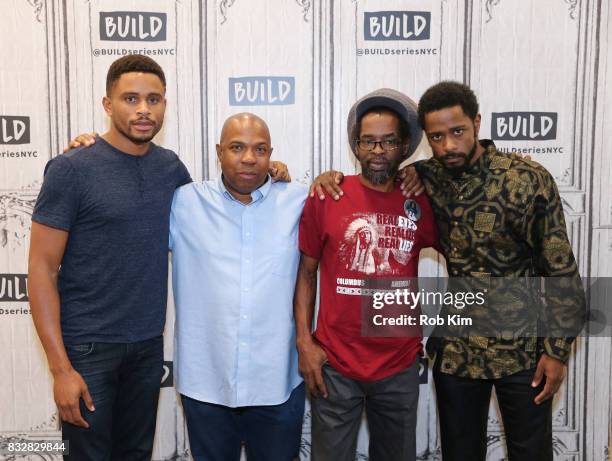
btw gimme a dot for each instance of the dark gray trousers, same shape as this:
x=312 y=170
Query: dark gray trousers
x=391 y=411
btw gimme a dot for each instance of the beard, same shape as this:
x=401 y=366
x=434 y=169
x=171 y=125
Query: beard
x=379 y=176
x=459 y=169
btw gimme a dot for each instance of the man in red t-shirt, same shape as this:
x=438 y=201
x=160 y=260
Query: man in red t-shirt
x=373 y=234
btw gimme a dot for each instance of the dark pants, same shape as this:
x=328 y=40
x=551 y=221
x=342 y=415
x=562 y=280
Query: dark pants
x=391 y=411
x=124 y=382
x=463 y=407
x=270 y=432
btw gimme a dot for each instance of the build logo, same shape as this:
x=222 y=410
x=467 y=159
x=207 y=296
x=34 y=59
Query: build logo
x=524 y=126
x=133 y=26
x=261 y=91
x=14 y=287
x=396 y=25
x=168 y=376
x=14 y=129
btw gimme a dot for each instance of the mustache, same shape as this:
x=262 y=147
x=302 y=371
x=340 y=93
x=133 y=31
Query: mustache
x=377 y=159
x=454 y=155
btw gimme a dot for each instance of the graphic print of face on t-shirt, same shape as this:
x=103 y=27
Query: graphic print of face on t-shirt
x=377 y=243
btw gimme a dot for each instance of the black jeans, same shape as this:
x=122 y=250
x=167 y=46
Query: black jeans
x=463 y=407
x=124 y=382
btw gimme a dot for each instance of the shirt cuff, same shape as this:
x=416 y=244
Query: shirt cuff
x=558 y=348
x=51 y=221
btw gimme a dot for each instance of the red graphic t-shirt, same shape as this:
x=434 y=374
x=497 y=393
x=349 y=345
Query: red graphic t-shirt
x=367 y=235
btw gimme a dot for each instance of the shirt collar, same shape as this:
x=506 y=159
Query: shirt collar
x=257 y=195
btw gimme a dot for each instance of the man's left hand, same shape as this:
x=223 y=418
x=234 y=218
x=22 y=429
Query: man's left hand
x=279 y=172
x=554 y=371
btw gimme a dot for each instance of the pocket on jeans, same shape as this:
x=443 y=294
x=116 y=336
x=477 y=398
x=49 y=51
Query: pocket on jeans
x=77 y=351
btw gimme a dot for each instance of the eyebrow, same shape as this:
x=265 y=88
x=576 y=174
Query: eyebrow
x=464 y=126
x=386 y=135
x=237 y=141
x=135 y=93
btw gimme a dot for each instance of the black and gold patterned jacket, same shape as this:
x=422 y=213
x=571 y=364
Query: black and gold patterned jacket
x=501 y=218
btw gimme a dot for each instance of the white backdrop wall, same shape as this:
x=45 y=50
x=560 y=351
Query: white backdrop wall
x=542 y=70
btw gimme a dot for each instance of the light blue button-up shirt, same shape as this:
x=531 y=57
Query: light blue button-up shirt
x=233 y=272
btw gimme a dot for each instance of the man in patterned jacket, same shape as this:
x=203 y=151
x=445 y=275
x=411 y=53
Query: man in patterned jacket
x=498 y=216
x=500 y=219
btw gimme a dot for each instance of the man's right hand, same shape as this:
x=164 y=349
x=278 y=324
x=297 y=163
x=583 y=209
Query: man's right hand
x=311 y=358
x=68 y=389
x=330 y=182
x=85 y=139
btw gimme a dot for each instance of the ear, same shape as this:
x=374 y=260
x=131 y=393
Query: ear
x=477 y=125
x=106 y=103
x=219 y=151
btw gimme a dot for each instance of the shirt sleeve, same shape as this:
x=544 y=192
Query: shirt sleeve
x=419 y=166
x=564 y=298
x=172 y=221
x=57 y=204
x=183 y=176
x=311 y=243
x=432 y=239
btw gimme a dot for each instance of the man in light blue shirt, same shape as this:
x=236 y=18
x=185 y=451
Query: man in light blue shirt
x=235 y=255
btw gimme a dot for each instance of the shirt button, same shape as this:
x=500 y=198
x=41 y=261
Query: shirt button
x=246 y=289
x=247 y=261
x=248 y=234
x=243 y=344
x=244 y=317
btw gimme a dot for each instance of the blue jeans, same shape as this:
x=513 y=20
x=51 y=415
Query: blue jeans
x=270 y=432
x=124 y=382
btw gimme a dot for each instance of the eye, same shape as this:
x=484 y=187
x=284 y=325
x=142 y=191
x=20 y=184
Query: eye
x=154 y=100
x=435 y=137
x=236 y=148
x=131 y=99
x=458 y=131
x=261 y=150
x=390 y=143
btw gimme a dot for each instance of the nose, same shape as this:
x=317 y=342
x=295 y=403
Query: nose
x=248 y=157
x=143 y=108
x=449 y=145
x=378 y=149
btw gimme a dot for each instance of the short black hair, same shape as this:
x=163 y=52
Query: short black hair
x=404 y=129
x=448 y=94
x=132 y=63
